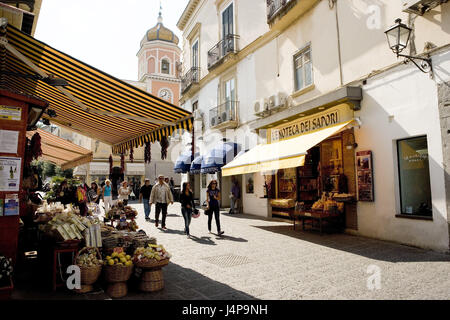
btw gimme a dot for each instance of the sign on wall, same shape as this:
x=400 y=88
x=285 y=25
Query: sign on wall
x=10 y=173
x=10 y=113
x=364 y=171
x=304 y=125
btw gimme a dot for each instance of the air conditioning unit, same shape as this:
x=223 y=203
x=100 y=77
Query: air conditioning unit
x=214 y=121
x=421 y=6
x=277 y=101
x=261 y=107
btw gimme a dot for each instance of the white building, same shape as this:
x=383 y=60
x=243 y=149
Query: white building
x=320 y=58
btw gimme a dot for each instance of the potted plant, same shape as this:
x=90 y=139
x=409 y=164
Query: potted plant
x=6 y=284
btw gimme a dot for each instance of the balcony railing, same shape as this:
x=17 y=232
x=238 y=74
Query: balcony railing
x=277 y=7
x=224 y=47
x=224 y=114
x=190 y=78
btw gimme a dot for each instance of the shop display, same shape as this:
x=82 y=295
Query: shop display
x=151 y=259
x=117 y=273
x=90 y=263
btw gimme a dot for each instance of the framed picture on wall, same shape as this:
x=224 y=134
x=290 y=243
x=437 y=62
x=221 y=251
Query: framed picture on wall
x=364 y=173
x=249 y=184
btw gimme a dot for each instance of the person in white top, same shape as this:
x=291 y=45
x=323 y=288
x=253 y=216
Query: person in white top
x=124 y=193
x=161 y=196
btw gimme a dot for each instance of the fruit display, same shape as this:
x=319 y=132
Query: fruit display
x=119 y=209
x=89 y=259
x=153 y=253
x=118 y=259
x=6 y=270
x=326 y=203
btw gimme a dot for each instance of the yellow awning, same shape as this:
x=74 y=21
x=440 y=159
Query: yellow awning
x=60 y=151
x=95 y=104
x=280 y=155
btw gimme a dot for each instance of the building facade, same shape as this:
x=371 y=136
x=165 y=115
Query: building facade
x=259 y=72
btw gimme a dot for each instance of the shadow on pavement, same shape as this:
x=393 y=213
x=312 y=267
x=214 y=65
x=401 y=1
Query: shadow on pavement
x=230 y=238
x=203 y=240
x=179 y=284
x=367 y=247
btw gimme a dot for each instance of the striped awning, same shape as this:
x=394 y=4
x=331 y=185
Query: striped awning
x=94 y=104
x=60 y=151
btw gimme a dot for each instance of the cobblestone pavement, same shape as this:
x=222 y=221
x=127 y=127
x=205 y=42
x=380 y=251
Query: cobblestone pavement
x=261 y=259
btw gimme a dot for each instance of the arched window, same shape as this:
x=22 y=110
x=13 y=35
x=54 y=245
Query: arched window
x=165 y=66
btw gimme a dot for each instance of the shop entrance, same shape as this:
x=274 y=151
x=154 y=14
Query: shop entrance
x=328 y=173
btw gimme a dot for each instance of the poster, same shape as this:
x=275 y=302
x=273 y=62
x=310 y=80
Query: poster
x=364 y=172
x=9 y=140
x=11 y=205
x=10 y=173
x=10 y=113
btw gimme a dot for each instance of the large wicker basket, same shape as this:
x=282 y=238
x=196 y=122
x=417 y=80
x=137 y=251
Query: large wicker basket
x=89 y=275
x=152 y=264
x=118 y=273
x=152 y=281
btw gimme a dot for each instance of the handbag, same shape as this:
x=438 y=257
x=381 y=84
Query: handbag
x=195 y=213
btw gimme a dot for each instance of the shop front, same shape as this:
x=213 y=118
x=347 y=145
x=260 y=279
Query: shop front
x=307 y=165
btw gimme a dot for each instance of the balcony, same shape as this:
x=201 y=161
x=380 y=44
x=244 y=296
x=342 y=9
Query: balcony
x=287 y=11
x=222 y=49
x=224 y=115
x=189 y=79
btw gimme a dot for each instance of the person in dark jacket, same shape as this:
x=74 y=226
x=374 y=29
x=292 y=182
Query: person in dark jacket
x=144 y=197
x=213 y=205
x=187 y=205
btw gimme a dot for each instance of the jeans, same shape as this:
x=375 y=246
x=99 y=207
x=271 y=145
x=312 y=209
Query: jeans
x=216 y=212
x=147 y=208
x=158 y=208
x=108 y=202
x=234 y=205
x=187 y=215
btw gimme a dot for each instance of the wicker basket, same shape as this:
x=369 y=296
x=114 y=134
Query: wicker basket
x=155 y=275
x=151 y=286
x=117 y=290
x=118 y=273
x=152 y=264
x=89 y=275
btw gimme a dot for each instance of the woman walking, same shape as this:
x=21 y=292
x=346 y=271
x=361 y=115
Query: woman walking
x=213 y=208
x=107 y=195
x=187 y=205
x=124 y=193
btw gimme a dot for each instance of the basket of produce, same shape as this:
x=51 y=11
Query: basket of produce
x=118 y=267
x=90 y=262
x=154 y=256
x=152 y=281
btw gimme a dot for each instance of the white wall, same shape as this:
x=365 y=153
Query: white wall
x=253 y=204
x=410 y=97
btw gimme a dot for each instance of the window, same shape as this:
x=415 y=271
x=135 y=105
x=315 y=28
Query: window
x=414 y=175
x=194 y=106
x=165 y=66
x=195 y=55
x=303 y=69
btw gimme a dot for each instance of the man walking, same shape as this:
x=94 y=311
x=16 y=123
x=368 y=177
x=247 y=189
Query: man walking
x=235 y=196
x=161 y=196
x=144 y=196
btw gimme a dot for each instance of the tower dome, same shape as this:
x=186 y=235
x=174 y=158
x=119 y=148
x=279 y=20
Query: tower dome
x=159 y=32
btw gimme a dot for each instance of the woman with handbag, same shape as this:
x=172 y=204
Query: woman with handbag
x=213 y=207
x=187 y=206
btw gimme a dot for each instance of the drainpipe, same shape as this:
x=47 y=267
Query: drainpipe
x=333 y=4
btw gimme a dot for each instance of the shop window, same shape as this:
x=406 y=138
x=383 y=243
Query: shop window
x=249 y=184
x=204 y=181
x=303 y=69
x=414 y=176
x=165 y=66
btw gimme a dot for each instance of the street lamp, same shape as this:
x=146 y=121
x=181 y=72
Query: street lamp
x=398 y=38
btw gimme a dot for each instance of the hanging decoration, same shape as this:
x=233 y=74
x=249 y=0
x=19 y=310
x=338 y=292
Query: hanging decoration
x=122 y=163
x=131 y=154
x=28 y=153
x=164 y=146
x=36 y=146
x=110 y=163
x=148 y=152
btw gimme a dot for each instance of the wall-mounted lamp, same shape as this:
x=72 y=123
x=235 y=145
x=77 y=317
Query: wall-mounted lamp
x=398 y=38
x=351 y=143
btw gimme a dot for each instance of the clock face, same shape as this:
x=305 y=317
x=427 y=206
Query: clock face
x=165 y=94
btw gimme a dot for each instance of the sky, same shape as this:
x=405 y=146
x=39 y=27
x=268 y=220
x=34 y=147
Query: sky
x=105 y=34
